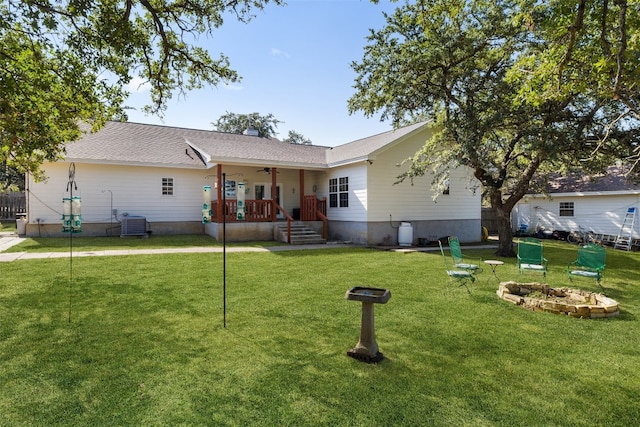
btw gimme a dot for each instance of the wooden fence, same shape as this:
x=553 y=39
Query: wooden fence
x=12 y=204
x=489 y=220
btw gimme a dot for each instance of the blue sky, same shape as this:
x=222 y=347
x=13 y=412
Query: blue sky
x=295 y=64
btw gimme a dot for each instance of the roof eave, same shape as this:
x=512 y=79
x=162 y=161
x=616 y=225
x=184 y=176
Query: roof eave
x=130 y=163
x=229 y=161
x=352 y=161
x=585 y=194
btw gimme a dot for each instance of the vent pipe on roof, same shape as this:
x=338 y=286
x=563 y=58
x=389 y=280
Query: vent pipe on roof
x=251 y=131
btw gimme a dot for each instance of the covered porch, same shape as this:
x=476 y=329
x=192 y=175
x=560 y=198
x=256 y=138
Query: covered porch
x=225 y=208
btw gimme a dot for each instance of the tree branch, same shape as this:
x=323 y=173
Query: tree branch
x=573 y=31
x=622 y=49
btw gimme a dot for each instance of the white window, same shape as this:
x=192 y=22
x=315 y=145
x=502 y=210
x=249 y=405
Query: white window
x=167 y=186
x=566 y=208
x=339 y=192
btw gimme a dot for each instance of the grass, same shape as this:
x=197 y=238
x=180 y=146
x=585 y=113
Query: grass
x=8 y=226
x=146 y=344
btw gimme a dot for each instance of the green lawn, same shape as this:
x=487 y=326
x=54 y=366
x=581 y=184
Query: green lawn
x=146 y=344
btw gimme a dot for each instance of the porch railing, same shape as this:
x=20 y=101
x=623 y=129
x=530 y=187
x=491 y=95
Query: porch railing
x=314 y=209
x=255 y=211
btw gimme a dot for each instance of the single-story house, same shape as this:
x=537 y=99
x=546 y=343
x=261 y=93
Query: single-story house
x=599 y=204
x=130 y=172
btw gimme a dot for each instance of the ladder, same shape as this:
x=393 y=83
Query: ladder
x=625 y=236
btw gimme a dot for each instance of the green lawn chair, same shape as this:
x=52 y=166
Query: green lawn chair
x=458 y=259
x=590 y=263
x=461 y=277
x=530 y=257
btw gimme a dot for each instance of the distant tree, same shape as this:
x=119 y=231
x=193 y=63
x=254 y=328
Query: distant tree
x=67 y=62
x=11 y=179
x=297 y=138
x=238 y=123
x=513 y=88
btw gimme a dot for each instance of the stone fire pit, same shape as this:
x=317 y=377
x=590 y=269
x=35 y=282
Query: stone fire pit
x=572 y=302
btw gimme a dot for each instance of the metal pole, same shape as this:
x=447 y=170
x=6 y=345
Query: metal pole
x=224 y=250
x=70 y=186
x=70 y=260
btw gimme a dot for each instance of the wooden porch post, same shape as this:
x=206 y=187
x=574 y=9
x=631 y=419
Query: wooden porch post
x=219 y=192
x=273 y=194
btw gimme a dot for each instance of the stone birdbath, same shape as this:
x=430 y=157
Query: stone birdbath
x=367 y=349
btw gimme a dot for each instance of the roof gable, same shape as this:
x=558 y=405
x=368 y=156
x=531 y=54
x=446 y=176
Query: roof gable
x=361 y=149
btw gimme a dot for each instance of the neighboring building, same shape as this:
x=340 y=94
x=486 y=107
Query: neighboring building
x=598 y=204
x=129 y=170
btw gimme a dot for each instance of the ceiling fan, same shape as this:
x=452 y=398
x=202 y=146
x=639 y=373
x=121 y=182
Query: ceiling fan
x=266 y=170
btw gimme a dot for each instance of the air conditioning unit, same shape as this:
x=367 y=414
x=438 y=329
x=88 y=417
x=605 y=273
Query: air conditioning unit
x=133 y=226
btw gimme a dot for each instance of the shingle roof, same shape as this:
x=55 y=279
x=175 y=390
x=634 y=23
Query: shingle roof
x=135 y=143
x=234 y=148
x=613 y=180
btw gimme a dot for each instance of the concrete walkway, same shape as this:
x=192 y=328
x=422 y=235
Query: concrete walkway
x=8 y=240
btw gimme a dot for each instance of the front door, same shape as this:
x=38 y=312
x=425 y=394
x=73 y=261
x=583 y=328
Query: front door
x=263 y=192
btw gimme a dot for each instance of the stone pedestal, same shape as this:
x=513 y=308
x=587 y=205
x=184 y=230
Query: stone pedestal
x=367 y=349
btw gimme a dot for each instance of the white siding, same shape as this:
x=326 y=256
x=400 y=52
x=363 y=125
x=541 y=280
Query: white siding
x=409 y=201
x=357 y=210
x=601 y=213
x=135 y=190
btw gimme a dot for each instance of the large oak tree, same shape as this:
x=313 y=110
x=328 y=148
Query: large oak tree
x=514 y=88
x=64 y=63
x=264 y=125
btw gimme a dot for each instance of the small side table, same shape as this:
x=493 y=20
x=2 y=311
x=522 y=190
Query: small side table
x=493 y=263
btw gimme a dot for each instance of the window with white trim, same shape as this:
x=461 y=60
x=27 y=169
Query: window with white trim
x=167 y=186
x=566 y=208
x=339 y=192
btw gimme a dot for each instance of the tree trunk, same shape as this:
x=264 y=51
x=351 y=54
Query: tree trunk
x=503 y=216
x=505 y=233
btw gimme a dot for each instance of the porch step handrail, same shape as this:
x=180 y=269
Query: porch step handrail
x=325 y=220
x=288 y=217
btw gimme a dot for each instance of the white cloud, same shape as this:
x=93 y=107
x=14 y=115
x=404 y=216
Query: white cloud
x=278 y=52
x=232 y=87
x=137 y=85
